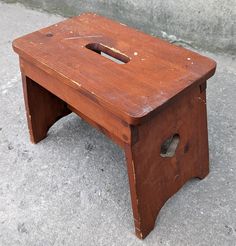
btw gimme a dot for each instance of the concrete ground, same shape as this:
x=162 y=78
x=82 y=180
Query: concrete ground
x=72 y=188
x=207 y=24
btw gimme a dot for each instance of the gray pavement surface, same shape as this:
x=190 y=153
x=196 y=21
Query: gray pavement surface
x=72 y=188
x=207 y=24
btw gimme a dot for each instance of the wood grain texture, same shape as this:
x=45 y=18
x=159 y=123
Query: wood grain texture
x=154 y=179
x=159 y=92
x=157 y=71
x=83 y=104
x=43 y=109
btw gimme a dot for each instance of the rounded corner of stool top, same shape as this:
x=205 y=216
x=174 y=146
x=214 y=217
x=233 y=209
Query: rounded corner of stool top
x=212 y=69
x=15 y=44
x=211 y=66
x=214 y=65
x=138 y=117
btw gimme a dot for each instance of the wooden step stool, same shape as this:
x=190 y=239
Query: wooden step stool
x=150 y=99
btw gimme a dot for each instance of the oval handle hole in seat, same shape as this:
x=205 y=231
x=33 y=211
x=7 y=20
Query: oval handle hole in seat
x=109 y=53
x=169 y=146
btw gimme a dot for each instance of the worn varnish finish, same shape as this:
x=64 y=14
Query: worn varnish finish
x=153 y=179
x=159 y=92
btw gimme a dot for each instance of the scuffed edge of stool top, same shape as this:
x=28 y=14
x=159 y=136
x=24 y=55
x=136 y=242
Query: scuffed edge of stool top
x=156 y=71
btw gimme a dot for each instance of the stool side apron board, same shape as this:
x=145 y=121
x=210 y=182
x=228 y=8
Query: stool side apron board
x=138 y=104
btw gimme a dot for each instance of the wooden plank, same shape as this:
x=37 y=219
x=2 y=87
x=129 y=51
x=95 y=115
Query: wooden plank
x=154 y=178
x=154 y=74
x=82 y=103
x=43 y=109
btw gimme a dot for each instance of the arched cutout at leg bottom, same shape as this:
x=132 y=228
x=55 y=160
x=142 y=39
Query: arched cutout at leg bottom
x=154 y=178
x=43 y=109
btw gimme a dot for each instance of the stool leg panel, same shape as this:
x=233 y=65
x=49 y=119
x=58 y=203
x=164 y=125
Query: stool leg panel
x=43 y=109
x=154 y=179
x=133 y=190
x=203 y=137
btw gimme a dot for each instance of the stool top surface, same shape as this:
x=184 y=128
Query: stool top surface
x=153 y=72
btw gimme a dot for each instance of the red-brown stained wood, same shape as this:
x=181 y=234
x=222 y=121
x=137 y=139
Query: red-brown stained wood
x=43 y=109
x=154 y=179
x=157 y=70
x=157 y=95
x=82 y=103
